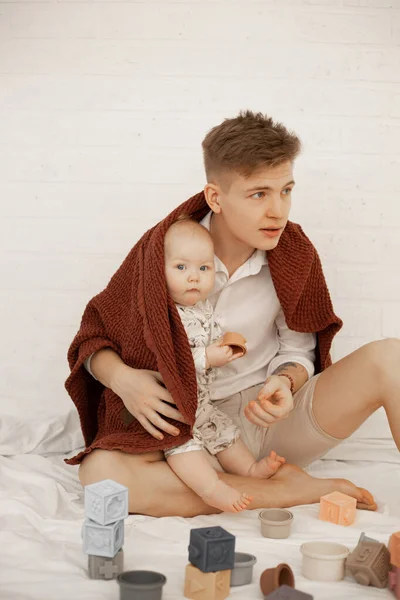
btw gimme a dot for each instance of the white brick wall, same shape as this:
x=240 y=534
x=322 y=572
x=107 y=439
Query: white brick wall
x=103 y=106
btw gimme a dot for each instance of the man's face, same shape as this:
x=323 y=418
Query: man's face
x=255 y=210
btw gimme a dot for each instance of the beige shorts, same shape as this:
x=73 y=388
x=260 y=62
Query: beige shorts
x=299 y=438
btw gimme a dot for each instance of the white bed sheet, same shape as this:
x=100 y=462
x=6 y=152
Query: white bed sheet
x=41 y=514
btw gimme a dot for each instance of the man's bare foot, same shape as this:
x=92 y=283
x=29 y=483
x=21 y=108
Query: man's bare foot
x=266 y=467
x=226 y=498
x=296 y=487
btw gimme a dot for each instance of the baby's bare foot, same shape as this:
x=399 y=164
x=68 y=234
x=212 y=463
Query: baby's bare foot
x=226 y=498
x=266 y=467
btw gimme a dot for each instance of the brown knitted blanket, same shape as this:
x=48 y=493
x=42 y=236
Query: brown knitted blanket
x=136 y=317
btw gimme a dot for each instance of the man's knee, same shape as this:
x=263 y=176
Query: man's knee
x=385 y=357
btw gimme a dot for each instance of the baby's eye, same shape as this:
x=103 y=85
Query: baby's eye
x=203 y=268
x=180 y=267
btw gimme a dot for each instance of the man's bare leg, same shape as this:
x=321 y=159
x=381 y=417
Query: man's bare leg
x=155 y=490
x=349 y=391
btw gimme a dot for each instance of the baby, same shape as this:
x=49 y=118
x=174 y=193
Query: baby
x=189 y=271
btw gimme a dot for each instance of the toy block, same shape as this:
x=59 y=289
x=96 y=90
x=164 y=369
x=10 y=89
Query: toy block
x=338 y=508
x=365 y=538
x=394 y=549
x=206 y=586
x=394 y=581
x=369 y=564
x=211 y=549
x=285 y=592
x=102 y=567
x=106 y=502
x=102 y=540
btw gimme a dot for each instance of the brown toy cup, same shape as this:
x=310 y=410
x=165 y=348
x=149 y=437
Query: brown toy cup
x=236 y=341
x=271 y=579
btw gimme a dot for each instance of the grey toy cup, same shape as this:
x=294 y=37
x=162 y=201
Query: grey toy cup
x=275 y=522
x=141 y=585
x=242 y=572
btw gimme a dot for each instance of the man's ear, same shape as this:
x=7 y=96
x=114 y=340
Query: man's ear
x=212 y=196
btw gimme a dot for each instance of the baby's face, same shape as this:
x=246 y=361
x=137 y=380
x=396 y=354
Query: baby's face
x=189 y=265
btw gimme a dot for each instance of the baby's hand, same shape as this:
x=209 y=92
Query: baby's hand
x=218 y=355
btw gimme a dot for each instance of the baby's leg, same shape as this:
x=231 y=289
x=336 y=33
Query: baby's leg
x=195 y=470
x=238 y=459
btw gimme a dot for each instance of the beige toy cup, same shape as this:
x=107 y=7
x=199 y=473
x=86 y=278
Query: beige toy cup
x=275 y=522
x=324 y=561
x=236 y=341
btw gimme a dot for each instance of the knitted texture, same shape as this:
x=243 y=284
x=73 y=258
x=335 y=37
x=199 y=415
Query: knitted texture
x=135 y=316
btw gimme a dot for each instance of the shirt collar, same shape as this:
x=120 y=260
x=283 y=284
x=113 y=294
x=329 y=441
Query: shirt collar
x=252 y=266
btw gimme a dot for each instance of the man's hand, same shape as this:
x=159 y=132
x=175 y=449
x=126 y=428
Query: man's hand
x=218 y=355
x=274 y=402
x=146 y=398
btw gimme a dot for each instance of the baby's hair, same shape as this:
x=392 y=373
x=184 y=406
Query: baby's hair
x=185 y=218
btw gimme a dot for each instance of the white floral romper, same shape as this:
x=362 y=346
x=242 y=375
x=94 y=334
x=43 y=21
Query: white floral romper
x=213 y=429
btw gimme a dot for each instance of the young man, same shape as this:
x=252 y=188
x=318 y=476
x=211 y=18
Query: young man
x=274 y=393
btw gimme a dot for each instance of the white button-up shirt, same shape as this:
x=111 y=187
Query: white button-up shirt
x=248 y=304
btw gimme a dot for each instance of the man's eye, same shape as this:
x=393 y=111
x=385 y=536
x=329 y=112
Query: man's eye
x=258 y=196
x=180 y=267
x=288 y=191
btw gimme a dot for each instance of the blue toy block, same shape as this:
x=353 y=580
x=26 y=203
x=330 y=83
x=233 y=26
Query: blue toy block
x=106 y=502
x=212 y=549
x=102 y=540
x=285 y=592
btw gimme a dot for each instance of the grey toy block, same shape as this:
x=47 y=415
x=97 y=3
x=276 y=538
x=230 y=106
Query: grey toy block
x=365 y=538
x=102 y=540
x=101 y=567
x=106 y=502
x=211 y=549
x=285 y=592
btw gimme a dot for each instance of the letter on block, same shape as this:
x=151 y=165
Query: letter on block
x=106 y=502
x=338 y=508
x=102 y=540
x=394 y=549
x=212 y=549
x=206 y=586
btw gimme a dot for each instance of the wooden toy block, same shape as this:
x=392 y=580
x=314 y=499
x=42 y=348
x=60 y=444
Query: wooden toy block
x=369 y=564
x=394 y=549
x=206 y=586
x=338 y=508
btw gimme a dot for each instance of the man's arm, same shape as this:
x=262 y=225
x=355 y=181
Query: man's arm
x=297 y=373
x=104 y=366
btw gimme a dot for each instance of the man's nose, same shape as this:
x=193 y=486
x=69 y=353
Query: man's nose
x=274 y=207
